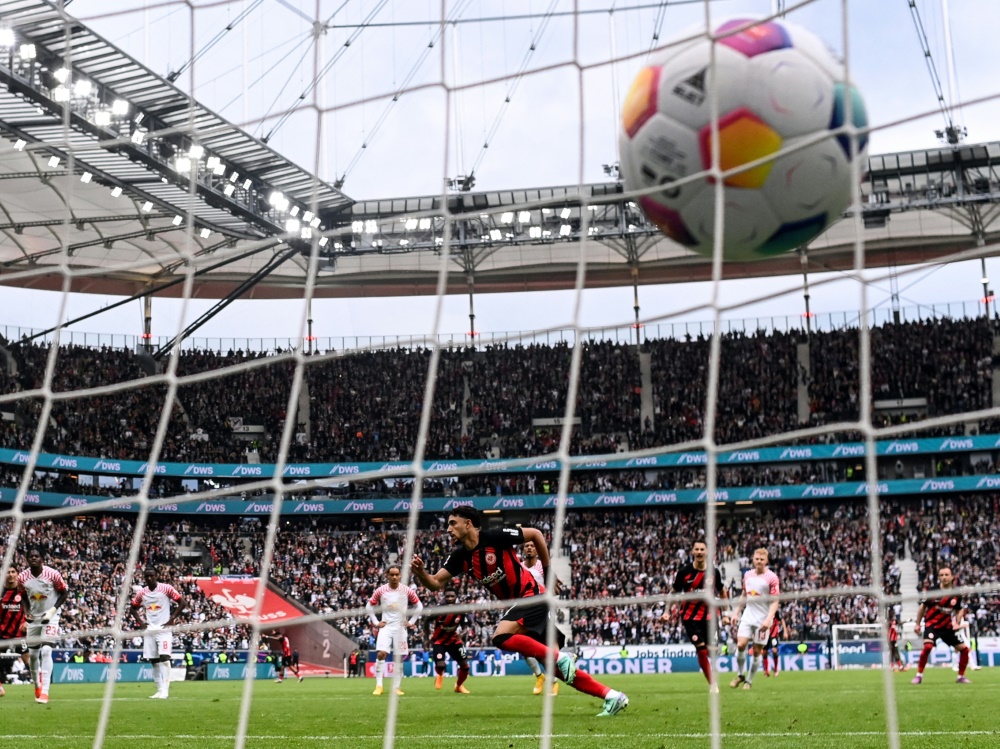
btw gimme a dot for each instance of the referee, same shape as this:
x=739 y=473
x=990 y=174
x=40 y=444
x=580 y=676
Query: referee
x=12 y=625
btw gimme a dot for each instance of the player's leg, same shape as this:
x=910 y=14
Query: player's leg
x=151 y=654
x=776 y=654
x=165 y=645
x=401 y=646
x=758 y=650
x=536 y=671
x=439 y=665
x=697 y=632
x=44 y=671
x=383 y=643
x=925 y=655
x=743 y=635
x=460 y=657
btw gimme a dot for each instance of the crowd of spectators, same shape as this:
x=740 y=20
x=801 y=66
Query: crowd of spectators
x=331 y=565
x=367 y=406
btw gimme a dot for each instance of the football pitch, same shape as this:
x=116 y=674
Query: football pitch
x=795 y=711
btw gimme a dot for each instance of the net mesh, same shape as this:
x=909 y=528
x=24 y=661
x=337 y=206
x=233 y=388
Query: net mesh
x=189 y=41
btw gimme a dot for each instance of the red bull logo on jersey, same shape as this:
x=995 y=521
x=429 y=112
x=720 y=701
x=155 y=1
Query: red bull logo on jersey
x=154 y=607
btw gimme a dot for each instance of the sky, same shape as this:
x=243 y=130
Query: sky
x=559 y=127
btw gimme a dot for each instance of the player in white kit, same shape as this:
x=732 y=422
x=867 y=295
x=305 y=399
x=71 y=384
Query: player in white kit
x=759 y=607
x=160 y=604
x=530 y=560
x=393 y=598
x=43 y=592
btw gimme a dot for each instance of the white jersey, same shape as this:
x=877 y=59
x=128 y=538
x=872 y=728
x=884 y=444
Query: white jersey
x=42 y=591
x=757 y=589
x=157 y=602
x=536 y=571
x=394 y=605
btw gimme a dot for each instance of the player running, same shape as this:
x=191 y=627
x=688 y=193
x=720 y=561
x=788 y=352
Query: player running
x=778 y=633
x=895 y=659
x=43 y=592
x=759 y=585
x=489 y=556
x=695 y=615
x=161 y=604
x=531 y=562
x=393 y=597
x=281 y=649
x=12 y=625
x=939 y=616
x=446 y=640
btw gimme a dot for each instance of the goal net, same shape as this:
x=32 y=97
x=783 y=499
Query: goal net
x=857 y=646
x=318 y=208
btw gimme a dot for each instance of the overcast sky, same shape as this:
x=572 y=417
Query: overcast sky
x=263 y=65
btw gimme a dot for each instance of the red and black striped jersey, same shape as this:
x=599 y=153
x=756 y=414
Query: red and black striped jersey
x=689 y=579
x=938 y=612
x=446 y=629
x=11 y=615
x=776 y=626
x=893 y=631
x=494 y=563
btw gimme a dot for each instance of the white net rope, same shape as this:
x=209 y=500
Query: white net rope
x=315 y=119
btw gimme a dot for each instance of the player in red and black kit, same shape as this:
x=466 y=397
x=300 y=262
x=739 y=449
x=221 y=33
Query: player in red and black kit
x=445 y=640
x=491 y=558
x=895 y=659
x=12 y=625
x=778 y=633
x=939 y=615
x=695 y=615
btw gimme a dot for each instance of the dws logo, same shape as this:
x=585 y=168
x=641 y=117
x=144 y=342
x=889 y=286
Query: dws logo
x=199 y=471
x=818 y=491
x=660 y=498
x=74 y=502
x=610 y=499
x=107 y=465
x=297 y=471
x=848 y=451
x=894 y=448
x=359 y=507
x=553 y=501
x=344 y=470
x=791 y=453
x=255 y=507
x=245 y=470
x=509 y=502
x=453 y=503
x=938 y=486
x=765 y=494
x=648 y=461
x=72 y=674
x=158 y=468
x=986 y=482
x=960 y=444
x=309 y=507
x=61 y=462
x=211 y=507
x=20 y=458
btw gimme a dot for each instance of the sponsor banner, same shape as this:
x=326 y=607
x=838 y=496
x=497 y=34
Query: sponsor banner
x=237 y=671
x=323 y=470
x=291 y=505
x=236 y=596
x=86 y=673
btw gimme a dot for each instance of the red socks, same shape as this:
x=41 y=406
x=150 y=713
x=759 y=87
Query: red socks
x=706 y=664
x=582 y=682
x=924 y=655
x=963 y=661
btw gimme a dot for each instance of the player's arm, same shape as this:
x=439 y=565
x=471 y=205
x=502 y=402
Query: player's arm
x=773 y=590
x=429 y=581
x=418 y=607
x=917 y=626
x=25 y=608
x=180 y=606
x=959 y=616
x=370 y=610
x=784 y=630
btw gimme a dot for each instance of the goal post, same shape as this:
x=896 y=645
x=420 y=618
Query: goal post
x=856 y=646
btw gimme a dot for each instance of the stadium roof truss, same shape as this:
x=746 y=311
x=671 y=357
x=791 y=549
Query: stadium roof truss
x=109 y=170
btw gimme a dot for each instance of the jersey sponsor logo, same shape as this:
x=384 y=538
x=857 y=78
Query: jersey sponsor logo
x=902 y=447
x=158 y=468
x=443 y=467
x=62 y=462
x=818 y=491
x=494 y=578
x=259 y=507
x=509 y=502
x=938 y=486
x=20 y=457
x=610 y=499
x=743 y=456
x=245 y=470
x=107 y=465
x=309 y=507
x=660 y=498
x=298 y=471
x=880 y=488
x=649 y=461
x=692 y=459
x=792 y=453
x=359 y=507
x=199 y=471
x=74 y=502
x=344 y=470
x=211 y=507
x=848 y=451
x=957 y=444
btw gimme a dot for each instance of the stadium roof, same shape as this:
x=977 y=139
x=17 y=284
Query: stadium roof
x=111 y=171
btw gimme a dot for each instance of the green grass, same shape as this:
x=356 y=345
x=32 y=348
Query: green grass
x=795 y=711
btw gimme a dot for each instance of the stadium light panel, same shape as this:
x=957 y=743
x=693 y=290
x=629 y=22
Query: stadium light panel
x=234 y=177
x=116 y=192
x=324 y=240
x=294 y=211
x=196 y=152
x=54 y=162
x=411 y=224
x=535 y=232
x=102 y=118
x=247 y=184
x=183 y=164
x=507 y=218
x=357 y=227
x=314 y=223
x=984 y=280
x=404 y=242
x=86 y=177
x=28 y=52
x=524 y=217
x=19 y=146
x=119 y=107
x=496 y=235
x=61 y=75
x=564 y=214
x=565 y=230
x=306 y=233
x=147 y=207
x=308 y=217
x=292 y=225
x=212 y=162
x=83 y=87
x=6 y=37
x=178 y=220
x=438 y=241
x=425 y=224
x=371 y=226
x=228 y=190
x=205 y=234
x=60 y=94
x=138 y=137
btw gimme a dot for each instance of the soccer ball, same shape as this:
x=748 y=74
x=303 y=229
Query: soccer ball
x=779 y=89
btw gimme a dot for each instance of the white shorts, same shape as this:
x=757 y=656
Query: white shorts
x=390 y=639
x=752 y=630
x=43 y=634
x=155 y=644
